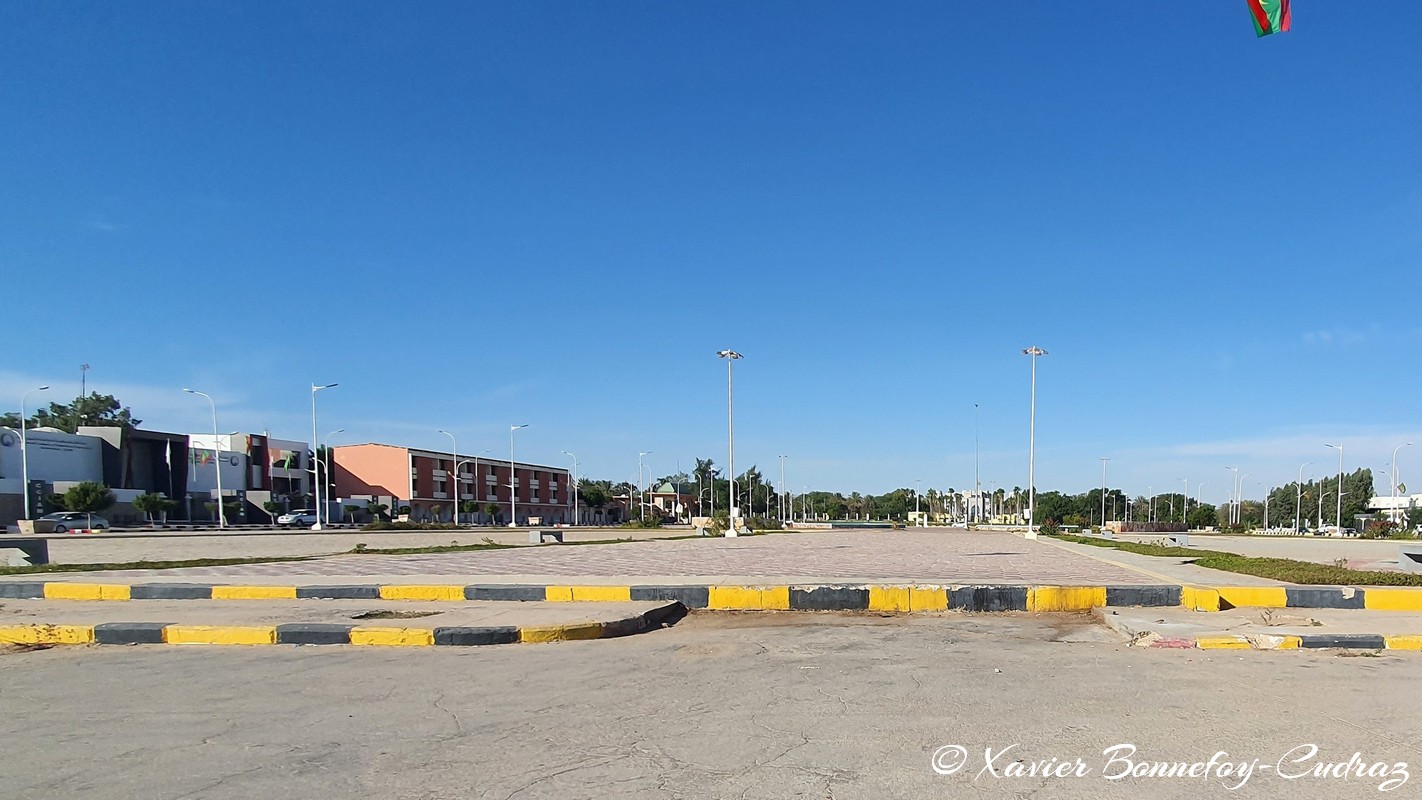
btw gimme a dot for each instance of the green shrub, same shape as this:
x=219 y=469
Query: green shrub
x=382 y=525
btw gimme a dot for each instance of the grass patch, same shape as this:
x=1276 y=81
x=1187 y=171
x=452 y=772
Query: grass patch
x=1278 y=569
x=196 y=562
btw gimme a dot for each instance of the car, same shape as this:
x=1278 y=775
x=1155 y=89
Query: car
x=290 y=519
x=65 y=521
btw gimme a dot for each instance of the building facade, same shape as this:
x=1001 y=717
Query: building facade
x=256 y=469
x=426 y=480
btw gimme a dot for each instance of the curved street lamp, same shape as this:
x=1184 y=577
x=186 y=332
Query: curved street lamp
x=25 y=449
x=216 y=458
x=1033 y=351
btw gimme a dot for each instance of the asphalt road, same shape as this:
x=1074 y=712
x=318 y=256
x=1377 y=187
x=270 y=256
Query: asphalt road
x=754 y=706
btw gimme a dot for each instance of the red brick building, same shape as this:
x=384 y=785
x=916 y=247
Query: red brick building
x=422 y=480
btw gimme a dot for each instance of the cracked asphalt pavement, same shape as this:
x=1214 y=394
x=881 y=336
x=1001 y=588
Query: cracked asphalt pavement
x=759 y=705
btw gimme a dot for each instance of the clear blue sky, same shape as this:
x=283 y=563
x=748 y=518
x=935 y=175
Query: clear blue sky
x=555 y=213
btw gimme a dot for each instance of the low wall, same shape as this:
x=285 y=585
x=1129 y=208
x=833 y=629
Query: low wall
x=1146 y=527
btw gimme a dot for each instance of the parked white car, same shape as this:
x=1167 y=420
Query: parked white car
x=304 y=517
x=65 y=521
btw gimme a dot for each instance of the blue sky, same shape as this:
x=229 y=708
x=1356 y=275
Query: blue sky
x=472 y=215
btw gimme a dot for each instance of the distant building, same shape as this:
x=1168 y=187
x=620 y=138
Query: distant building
x=425 y=481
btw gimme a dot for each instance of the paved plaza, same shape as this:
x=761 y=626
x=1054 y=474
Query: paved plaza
x=720 y=706
x=949 y=556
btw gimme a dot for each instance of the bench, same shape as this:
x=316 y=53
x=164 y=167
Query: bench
x=36 y=550
x=539 y=537
x=1409 y=557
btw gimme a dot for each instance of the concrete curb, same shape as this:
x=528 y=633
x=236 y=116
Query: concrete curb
x=822 y=597
x=814 y=597
x=1260 y=641
x=334 y=633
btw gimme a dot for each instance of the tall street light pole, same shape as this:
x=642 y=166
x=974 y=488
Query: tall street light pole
x=513 y=480
x=1033 y=351
x=1298 y=498
x=315 y=467
x=1339 y=520
x=642 y=487
x=454 y=473
x=1392 y=515
x=977 y=484
x=780 y=501
x=575 y=485
x=216 y=457
x=1103 y=461
x=475 y=462
x=1185 y=504
x=731 y=356
x=1234 y=493
x=24 y=447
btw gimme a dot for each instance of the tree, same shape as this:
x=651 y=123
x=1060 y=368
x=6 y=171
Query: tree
x=377 y=510
x=152 y=505
x=593 y=494
x=1203 y=515
x=492 y=509
x=87 y=497
x=273 y=508
x=97 y=410
x=469 y=506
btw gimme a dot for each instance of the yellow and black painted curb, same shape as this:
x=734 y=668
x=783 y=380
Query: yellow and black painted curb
x=333 y=633
x=826 y=597
x=1346 y=641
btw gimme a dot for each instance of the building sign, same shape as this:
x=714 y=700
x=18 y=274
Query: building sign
x=37 y=499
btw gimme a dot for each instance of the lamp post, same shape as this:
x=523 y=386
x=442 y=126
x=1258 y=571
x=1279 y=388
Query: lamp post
x=977 y=485
x=917 y=515
x=475 y=462
x=731 y=357
x=780 y=499
x=647 y=507
x=315 y=469
x=1150 y=506
x=326 y=445
x=1339 y=521
x=1033 y=351
x=574 y=477
x=25 y=450
x=1103 y=461
x=642 y=487
x=1298 y=499
x=216 y=457
x=454 y=474
x=513 y=480
x=1392 y=514
x=1185 y=504
x=1233 y=493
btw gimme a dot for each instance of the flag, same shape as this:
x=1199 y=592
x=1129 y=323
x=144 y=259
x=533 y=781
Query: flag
x=1270 y=16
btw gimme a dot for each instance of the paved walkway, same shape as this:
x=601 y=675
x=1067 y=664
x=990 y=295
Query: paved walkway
x=942 y=557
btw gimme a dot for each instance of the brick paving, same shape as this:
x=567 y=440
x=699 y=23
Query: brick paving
x=942 y=556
